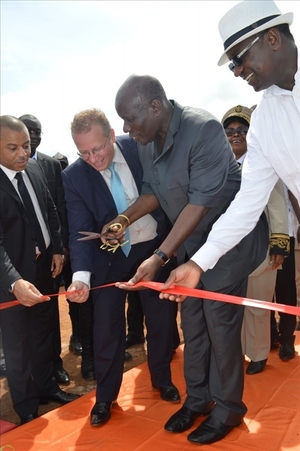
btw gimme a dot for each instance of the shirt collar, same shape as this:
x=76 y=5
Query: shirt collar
x=174 y=125
x=9 y=172
x=118 y=158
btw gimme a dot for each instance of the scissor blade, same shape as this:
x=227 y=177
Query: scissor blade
x=90 y=236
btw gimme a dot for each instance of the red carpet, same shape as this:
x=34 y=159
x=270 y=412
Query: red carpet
x=271 y=424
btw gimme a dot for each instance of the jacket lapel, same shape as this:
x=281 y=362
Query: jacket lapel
x=7 y=186
x=100 y=186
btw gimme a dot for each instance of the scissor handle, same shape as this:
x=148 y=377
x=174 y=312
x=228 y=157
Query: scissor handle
x=113 y=247
x=113 y=226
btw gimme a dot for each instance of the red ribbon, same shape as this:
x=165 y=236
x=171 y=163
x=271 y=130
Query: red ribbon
x=178 y=290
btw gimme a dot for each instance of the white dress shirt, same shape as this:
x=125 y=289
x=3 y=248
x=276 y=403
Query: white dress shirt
x=273 y=143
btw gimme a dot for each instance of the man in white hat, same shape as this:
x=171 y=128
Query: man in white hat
x=262 y=51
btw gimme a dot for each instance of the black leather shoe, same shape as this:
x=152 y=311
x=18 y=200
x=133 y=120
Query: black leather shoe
x=169 y=393
x=100 y=413
x=184 y=418
x=287 y=350
x=130 y=341
x=61 y=376
x=210 y=431
x=256 y=367
x=60 y=396
x=128 y=356
x=29 y=417
x=75 y=345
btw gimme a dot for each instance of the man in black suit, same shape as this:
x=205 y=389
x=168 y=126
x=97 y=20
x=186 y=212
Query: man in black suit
x=31 y=258
x=52 y=171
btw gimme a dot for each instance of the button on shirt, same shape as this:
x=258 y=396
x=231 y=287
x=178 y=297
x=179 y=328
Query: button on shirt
x=273 y=152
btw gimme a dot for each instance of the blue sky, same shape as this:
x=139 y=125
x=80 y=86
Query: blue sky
x=59 y=57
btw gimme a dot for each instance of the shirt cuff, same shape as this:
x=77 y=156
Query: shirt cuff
x=207 y=256
x=82 y=276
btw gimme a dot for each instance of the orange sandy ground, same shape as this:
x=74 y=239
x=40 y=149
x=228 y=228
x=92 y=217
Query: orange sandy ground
x=271 y=424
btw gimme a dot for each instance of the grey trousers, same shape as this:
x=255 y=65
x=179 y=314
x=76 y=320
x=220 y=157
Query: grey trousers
x=213 y=360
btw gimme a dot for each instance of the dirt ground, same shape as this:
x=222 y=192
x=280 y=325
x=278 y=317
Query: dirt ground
x=71 y=364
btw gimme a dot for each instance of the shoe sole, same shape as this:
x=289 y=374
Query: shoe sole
x=171 y=400
x=286 y=359
x=101 y=423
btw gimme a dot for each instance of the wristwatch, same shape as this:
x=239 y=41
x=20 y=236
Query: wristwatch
x=12 y=287
x=162 y=255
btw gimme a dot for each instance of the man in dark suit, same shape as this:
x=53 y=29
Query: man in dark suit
x=31 y=258
x=52 y=171
x=91 y=202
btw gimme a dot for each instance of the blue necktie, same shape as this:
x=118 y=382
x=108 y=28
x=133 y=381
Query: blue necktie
x=118 y=194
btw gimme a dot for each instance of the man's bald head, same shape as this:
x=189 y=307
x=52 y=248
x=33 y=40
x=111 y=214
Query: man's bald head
x=142 y=103
x=12 y=123
x=31 y=121
x=141 y=90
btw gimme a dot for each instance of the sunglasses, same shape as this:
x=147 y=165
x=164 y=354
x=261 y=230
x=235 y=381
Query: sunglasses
x=232 y=131
x=237 y=60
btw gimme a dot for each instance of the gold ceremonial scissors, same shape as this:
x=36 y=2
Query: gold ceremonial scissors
x=107 y=246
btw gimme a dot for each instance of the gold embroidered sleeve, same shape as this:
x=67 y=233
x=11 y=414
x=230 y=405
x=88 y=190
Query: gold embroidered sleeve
x=279 y=244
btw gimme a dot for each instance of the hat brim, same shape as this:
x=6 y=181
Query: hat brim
x=284 y=18
x=235 y=117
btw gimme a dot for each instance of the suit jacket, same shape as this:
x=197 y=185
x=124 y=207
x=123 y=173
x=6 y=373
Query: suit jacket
x=52 y=171
x=90 y=206
x=17 y=242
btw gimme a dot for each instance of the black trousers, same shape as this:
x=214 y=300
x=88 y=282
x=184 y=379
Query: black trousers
x=27 y=334
x=286 y=293
x=109 y=326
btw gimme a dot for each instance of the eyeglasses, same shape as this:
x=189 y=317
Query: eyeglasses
x=232 y=131
x=96 y=151
x=237 y=60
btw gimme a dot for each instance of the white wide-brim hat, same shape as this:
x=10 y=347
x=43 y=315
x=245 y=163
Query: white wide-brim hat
x=246 y=19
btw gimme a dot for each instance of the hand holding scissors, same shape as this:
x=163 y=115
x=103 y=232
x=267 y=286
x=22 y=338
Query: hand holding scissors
x=110 y=241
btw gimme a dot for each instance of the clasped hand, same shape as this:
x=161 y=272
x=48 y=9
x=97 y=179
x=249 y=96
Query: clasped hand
x=146 y=271
x=186 y=275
